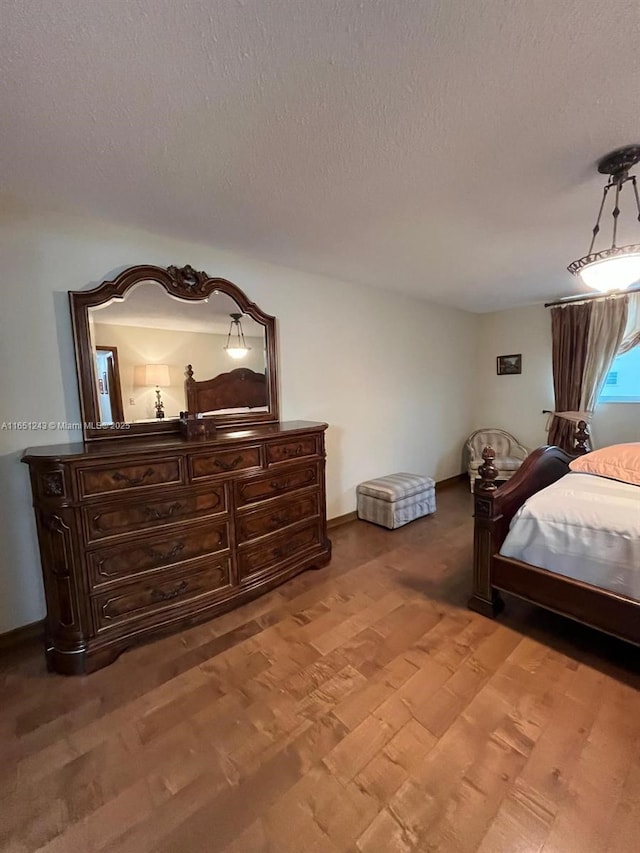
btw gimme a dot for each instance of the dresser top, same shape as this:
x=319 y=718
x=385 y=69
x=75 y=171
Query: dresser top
x=124 y=446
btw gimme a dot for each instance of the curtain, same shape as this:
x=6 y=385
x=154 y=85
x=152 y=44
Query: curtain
x=632 y=332
x=606 y=334
x=570 y=334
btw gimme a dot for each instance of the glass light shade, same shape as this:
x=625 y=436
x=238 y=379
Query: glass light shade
x=237 y=352
x=615 y=273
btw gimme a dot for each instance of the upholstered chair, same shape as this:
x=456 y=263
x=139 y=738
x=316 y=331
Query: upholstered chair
x=510 y=454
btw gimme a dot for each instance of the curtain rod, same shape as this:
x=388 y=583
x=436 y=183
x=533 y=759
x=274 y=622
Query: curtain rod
x=589 y=297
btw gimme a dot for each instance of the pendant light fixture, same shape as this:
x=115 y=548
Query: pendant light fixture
x=237 y=346
x=616 y=267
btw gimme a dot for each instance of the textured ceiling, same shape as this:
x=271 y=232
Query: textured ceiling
x=439 y=147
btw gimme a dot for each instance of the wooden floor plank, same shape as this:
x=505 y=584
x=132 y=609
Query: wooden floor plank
x=597 y=785
x=393 y=764
x=358 y=708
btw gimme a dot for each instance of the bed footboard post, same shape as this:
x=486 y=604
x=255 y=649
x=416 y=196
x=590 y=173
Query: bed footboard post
x=485 y=599
x=582 y=439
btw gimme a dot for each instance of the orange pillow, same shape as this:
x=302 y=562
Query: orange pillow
x=618 y=462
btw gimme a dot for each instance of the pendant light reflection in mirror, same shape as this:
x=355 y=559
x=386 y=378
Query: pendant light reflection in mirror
x=236 y=346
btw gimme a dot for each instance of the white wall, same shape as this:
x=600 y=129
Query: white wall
x=392 y=375
x=617 y=422
x=515 y=403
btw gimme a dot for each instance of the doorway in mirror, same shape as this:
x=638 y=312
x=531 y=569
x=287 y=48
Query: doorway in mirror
x=108 y=380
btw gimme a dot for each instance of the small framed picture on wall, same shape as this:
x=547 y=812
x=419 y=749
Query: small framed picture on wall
x=509 y=364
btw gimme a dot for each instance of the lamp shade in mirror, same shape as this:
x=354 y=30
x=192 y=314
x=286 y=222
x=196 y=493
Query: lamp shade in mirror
x=151 y=375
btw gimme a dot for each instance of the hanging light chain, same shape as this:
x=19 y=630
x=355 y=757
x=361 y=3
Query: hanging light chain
x=618 y=184
x=635 y=192
x=239 y=334
x=596 y=227
x=616 y=213
x=229 y=335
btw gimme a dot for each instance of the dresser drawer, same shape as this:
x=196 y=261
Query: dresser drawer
x=203 y=465
x=252 y=525
x=269 y=554
x=113 y=519
x=159 y=594
x=271 y=485
x=127 y=561
x=283 y=451
x=107 y=479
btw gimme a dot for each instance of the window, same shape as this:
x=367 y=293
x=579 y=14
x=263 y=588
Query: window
x=622 y=384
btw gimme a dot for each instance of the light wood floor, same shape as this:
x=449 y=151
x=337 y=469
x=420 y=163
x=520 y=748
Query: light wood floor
x=358 y=708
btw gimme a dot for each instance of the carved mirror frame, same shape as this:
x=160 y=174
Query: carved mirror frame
x=185 y=283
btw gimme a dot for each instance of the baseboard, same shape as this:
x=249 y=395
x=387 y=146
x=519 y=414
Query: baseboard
x=451 y=481
x=22 y=635
x=339 y=520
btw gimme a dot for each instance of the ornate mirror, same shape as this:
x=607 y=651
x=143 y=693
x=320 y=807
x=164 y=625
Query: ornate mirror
x=154 y=343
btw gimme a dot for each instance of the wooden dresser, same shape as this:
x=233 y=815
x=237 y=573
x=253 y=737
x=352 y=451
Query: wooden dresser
x=141 y=537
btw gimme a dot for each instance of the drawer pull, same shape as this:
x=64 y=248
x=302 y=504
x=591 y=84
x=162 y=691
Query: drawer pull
x=279 y=485
x=282 y=518
x=154 y=513
x=149 y=512
x=95 y=522
x=158 y=555
x=283 y=485
x=227 y=466
x=167 y=595
x=298 y=450
x=119 y=477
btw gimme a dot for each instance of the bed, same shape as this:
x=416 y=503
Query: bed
x=239 y=390
x=568 y=541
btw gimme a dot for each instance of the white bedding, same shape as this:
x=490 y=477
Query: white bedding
x=583 y=527
x=236 y=411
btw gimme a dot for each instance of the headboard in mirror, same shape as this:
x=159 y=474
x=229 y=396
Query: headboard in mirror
x=239 y=389
x=154 y=342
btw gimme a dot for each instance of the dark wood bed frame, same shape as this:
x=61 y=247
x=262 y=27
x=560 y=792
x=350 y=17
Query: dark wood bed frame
x=235 y=389
x=494 y=508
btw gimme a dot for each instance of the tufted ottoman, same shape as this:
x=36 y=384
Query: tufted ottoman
x=396 y=499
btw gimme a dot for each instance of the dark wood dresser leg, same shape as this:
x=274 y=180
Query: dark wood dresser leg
x=324 y=559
